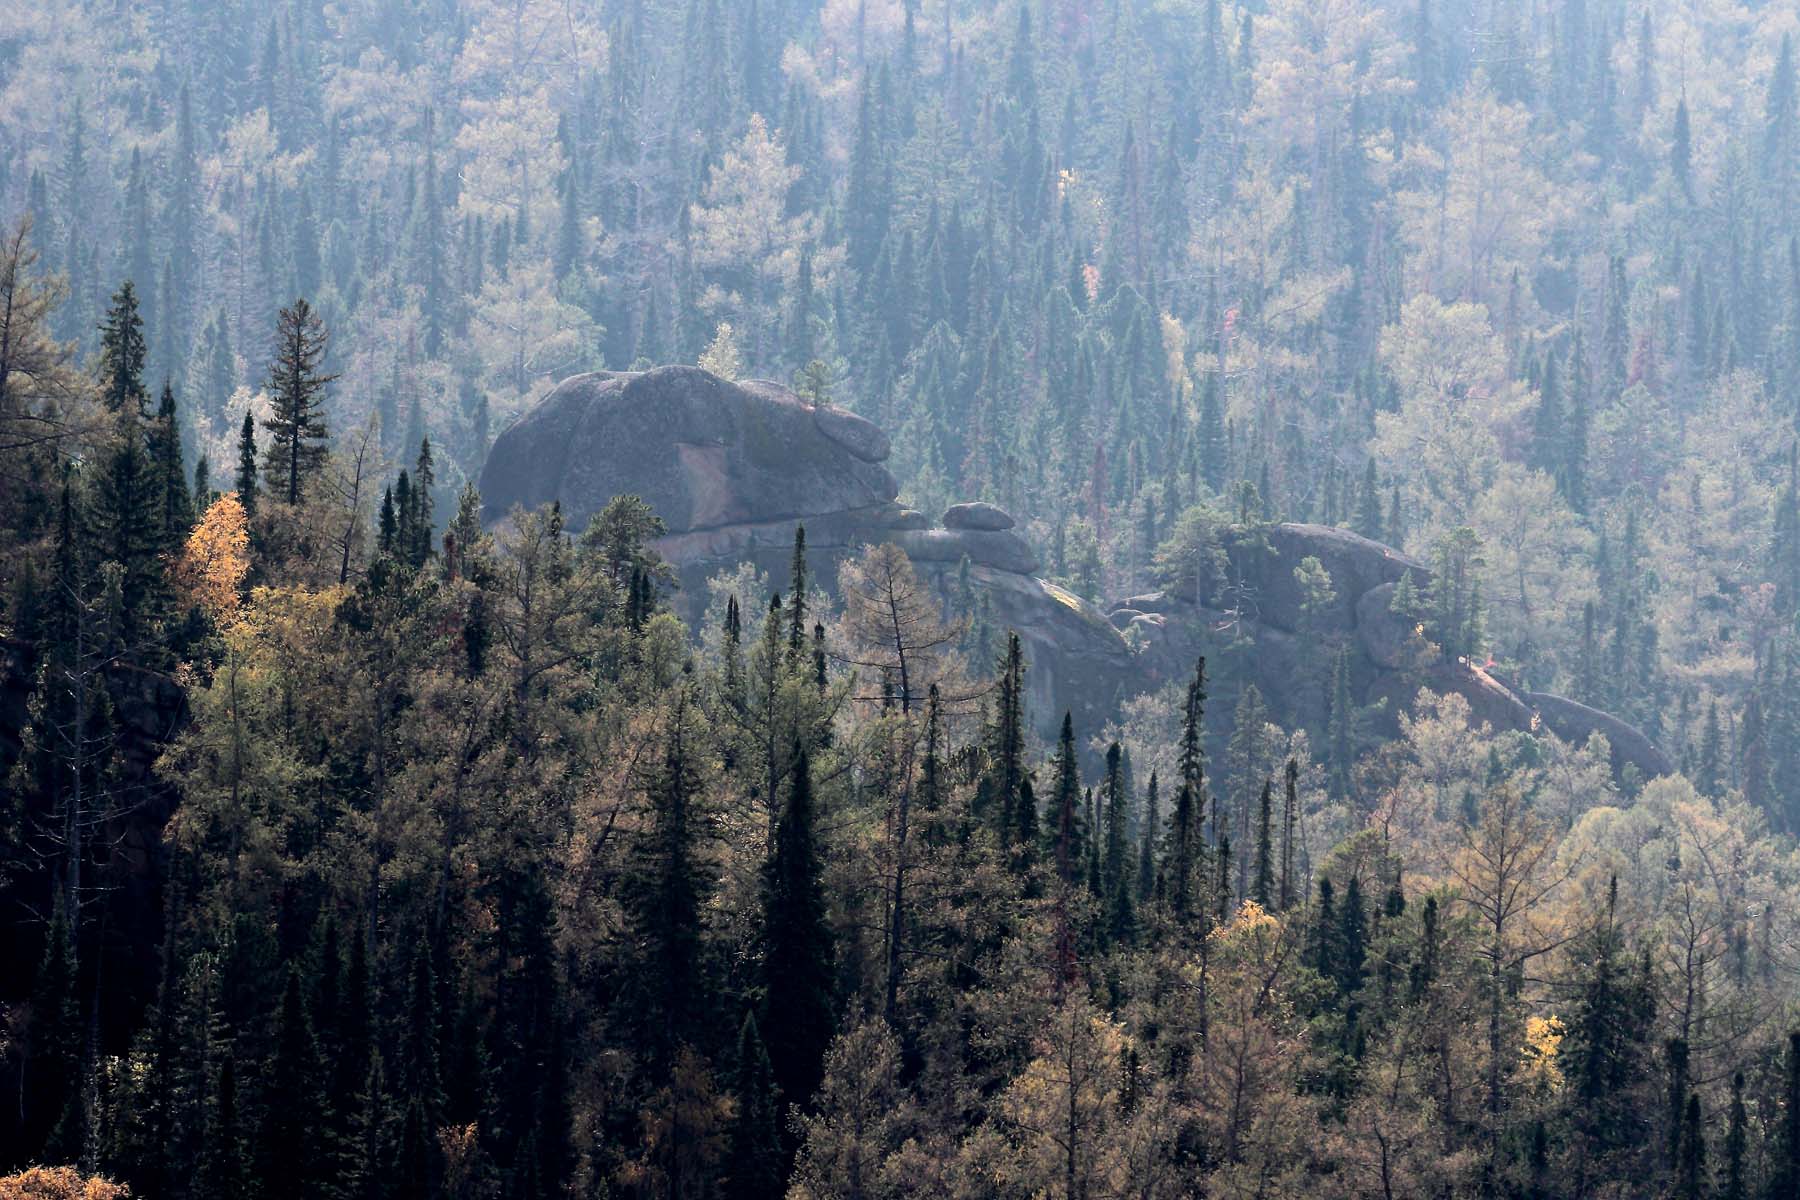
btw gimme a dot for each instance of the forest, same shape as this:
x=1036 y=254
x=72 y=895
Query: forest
x=357 y=843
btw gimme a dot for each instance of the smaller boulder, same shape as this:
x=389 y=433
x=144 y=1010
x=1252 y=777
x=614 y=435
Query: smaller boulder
x=910 y=518
x=1004 y=551
x=978 y=515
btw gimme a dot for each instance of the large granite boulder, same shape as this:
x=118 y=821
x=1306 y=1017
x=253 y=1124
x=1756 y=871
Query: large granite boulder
x=704 y=452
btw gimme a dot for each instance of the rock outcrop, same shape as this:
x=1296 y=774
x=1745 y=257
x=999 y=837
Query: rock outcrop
x=1260 y=598
x=705 y=453
x=732 y=468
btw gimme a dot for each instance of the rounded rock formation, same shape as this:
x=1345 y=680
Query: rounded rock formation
x=979 y=515
x=702 y=451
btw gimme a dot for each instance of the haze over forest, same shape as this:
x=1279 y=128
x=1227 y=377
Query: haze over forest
x=869 y=598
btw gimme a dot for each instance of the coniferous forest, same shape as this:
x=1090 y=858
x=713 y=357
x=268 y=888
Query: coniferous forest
x=362 y=842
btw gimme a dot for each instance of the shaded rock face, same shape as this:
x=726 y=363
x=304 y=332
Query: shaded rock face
x=732 y=468
x=977 y=515
x=705 y=453
x=1261 y=597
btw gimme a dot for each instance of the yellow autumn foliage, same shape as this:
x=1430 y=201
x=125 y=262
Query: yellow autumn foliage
x=59 y=1183
x=1543 y=1039
x=216 y=559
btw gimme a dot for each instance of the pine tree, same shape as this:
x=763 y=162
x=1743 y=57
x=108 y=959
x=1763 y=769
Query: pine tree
x=797 y=947
x=296 y=449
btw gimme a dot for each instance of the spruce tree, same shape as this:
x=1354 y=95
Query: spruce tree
x=296 y=425
x=797 y=947
x=1736 y=1186
x=1069 y=851
x=289 y=1144
x=126 y=524
x=55 y=1108
x=122 y=354
x=175 y=505
x=1262 y=887
x=753 y=1166
x=1690 y=1170
x=796 y=612
x=1290 y=815
x=246 y=469
x=1785 y=1171
x=667 y=879
x=1006 y=752
x=1147 y=841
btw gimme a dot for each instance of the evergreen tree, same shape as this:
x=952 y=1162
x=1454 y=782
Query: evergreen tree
x=796 y=618
x=1069 y=849
x=1691 y=1167
x=797 y=947
x=667 y=880
x=289 y=1150
x=1263 y=877
x=1736 y=1186
x=753 y=1168
x=175 y=505
x=1148 y=838
x=1016 y=822
x=126 y=526
x=1290 y=814
x=296 y=426
x=246 y=469
x=122 y=354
